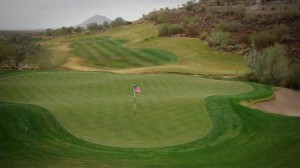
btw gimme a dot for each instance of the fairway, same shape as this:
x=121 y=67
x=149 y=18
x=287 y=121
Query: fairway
x=137 y=49
x=105 y=52
x=98 y=107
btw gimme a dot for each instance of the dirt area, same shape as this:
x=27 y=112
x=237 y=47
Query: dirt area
x=286 y=102
x=75 y=64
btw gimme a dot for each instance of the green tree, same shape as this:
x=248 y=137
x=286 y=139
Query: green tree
x=79 y=29
x=92 y=27
x=106 y=25
x=118 y=22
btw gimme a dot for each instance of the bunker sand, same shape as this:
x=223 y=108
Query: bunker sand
x=286 y=102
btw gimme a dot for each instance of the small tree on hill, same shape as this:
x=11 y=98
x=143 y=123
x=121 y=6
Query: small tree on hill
x=106 y=25
x=92 y=27
x=118 y=22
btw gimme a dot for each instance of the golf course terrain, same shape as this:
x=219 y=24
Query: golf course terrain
x=138 y=49
x=86 y=118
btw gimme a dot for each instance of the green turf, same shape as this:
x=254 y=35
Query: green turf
x=140 y=46
x=103 y=52
x=30 y=136
x=175 y=104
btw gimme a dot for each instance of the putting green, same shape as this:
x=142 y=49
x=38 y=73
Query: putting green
x=98 y=107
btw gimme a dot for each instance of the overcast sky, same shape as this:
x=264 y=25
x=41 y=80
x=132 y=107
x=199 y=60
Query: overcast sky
x=38 y=14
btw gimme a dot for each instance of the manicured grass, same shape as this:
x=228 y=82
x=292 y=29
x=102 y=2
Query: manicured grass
x=98 y=107
x=138 y=49
x=227 y=133
x=104 y=52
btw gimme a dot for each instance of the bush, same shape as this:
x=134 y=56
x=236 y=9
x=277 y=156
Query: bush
x=282 y=32
x=277 y=64
x=294 y=80
x=191 y=29
x=219 y=38
x=289 y=14
x=271 y=66
x=262 y=20
x=231 y=26
x=263 y=39
x=162 y=18
x=189 y=6
x=163 y=29
x=249 y=18
x=167 y=29
x=204 y=35
x=236 y=12
x=175 y=29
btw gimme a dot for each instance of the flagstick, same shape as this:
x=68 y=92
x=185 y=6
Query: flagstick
x=134 y=103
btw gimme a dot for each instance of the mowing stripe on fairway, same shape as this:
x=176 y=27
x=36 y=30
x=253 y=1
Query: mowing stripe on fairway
x=108 y=52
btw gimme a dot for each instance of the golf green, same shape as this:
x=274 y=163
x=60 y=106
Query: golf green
x=85 y=119
x=98 y=107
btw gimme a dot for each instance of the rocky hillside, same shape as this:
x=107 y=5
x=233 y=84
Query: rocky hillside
x=264 y=25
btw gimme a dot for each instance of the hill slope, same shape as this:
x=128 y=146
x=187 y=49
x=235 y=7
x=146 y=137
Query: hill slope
x=194 y=55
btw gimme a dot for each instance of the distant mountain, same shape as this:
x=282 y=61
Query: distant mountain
x=95 y=19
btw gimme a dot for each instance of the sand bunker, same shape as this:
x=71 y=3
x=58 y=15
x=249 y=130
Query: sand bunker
x=286 y=102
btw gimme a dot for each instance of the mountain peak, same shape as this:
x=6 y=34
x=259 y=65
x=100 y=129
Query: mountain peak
x=99 y=19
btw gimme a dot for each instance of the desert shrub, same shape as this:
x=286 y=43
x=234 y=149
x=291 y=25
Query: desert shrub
x=231 y=26
x=162 y=17
x=277 y=64
x=263 y=39
x=212 y=10
x=163 y=29
x=219 y=38
x=191 y=29
x=204 y=35
x=271 y=66
x=249 y=18
x=189 y=6
x=166 y=29
x=175 y=29
x=289 y=14
x=243 y=38
x=262 y=20
x=152 y=16
x=272 y=19
x=236 y=12
x=282 y=32
x=294 y=80
x=45 y=59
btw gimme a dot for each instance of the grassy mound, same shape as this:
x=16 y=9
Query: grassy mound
x=239 y=136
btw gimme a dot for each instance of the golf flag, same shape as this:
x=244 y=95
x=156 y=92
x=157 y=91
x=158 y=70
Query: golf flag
x=137 y=89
